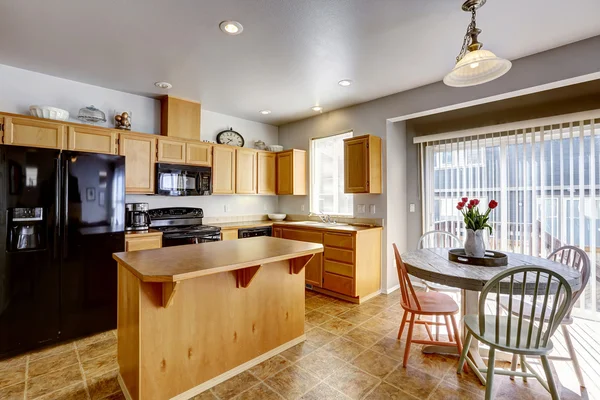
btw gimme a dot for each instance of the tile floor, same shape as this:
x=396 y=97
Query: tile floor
x=351 y=352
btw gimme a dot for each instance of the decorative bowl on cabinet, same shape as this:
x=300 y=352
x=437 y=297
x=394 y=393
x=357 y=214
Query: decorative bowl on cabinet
x=276 y=217
x=49 y=112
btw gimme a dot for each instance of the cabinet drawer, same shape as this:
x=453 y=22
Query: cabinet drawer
x=339 y=268
x=154 y=242
x=339 y=284
x=335 y=254
x=303 y=236
x=343 y=240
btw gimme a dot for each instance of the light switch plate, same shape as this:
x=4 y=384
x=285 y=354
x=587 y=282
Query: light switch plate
x=302 y=207
x=411 y=207
x=372 y=208
x=361 y=209
x=226 y=207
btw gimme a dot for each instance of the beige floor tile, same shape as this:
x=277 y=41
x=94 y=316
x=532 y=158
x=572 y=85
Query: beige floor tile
x=51 y=350
x=370 y=308
x=73 y=392
x=115 y=396
x=316 y=317
x=100 y=365
x=380 y=326
x=354 y=316
x=413 y=381
x=260 y=391
x=392 y=315
x=334 y=309
x=375 y=364
x=315 y=302
x=292 y=382
x=467 y=381
x=206 y=395
x=234 y=386
x=435 y=364
x=17 y=362
x=390 y=347
x=298 y=351
x=344 y=349
x=352 y=382
x=385 y=391
x=447 y=391
x=97 y=349
x=324 y=392
x=43 y=365
x=362 y=336
x=101 y=386
x=269 y=367
x=13 y=392
x=337 y=326
x=321 y=363
x=94 y=338
x=51 y=381
x=10 y=377
x=318 y=337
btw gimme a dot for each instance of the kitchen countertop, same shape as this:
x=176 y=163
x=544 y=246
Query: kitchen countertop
x=177 y=263
x=149 y=232
x=295 y=224
x=241 y=224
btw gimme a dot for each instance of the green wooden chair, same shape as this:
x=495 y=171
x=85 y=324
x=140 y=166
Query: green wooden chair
x=519 y=332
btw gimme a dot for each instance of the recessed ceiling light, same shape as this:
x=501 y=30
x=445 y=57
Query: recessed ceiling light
x=317 y=108
x=265 y=112
x=163 y=85
x=345 y=82
x=231 y=27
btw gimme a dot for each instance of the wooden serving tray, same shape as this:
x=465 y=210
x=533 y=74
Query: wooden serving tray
x=491 y=258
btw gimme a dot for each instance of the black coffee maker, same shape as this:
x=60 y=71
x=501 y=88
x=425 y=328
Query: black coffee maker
x=137 y=217
x=26 y=229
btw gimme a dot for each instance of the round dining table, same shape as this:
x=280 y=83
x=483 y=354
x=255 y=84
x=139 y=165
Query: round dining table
x=433 y=265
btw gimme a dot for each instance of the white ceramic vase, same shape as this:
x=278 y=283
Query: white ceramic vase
x=474 y=246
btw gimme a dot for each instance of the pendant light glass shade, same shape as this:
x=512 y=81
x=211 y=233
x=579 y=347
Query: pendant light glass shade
x=477 y=67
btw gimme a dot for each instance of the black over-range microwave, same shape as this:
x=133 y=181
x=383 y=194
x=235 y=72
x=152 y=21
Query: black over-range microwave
x=183 y=180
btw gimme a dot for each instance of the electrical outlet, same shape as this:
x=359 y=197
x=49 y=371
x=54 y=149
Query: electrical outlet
x=266 y=208
x=226 y=207
x=411 y=207
x=372 y=208
x=302 y=207
x=362 y=209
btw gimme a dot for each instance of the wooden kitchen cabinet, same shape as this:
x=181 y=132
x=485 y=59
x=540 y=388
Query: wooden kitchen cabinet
x=223 y=170
x=143 y=241
x=291 y=172
x=94 y=140
x=267 y=173
x=362 y=164
x=314 y=269
x=180 y=118
x=198 y=154
x=229 y=234
x=140 y=154
x=171 y=151
x=246 y=171
x=277 y=232
x=33 y=132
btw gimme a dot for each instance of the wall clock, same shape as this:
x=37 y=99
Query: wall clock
x=230 y=137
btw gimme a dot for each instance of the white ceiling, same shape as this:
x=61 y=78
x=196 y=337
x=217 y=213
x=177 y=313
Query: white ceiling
x=291 y=54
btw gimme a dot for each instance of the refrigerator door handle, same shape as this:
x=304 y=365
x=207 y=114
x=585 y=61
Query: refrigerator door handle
x=66 y=208
x=57 y=208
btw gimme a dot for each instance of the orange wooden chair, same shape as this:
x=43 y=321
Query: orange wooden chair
x=433 y=304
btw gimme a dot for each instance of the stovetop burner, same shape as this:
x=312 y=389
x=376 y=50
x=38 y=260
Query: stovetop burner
x=181 y=222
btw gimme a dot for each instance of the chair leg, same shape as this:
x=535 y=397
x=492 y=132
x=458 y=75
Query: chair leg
x=550 y=378
x=402 y=324
x=437 y=328
x=573 y=354
x=523 y=367
x=411 y=325
x=464 y=353
x=489 y=386
x=513 y=365
x=456 y=334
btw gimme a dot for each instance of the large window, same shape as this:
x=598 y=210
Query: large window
x=327 y=176
x=546 y=179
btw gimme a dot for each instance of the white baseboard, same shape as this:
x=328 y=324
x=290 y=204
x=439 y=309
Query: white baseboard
x=370 y=296
x=392 y=289
x=123 y=387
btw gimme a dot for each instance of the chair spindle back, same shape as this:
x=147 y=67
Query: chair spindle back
x=438 y=239
x=409 y=296
x=575 y=258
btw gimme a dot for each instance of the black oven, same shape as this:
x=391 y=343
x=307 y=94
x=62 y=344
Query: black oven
x=183 y=180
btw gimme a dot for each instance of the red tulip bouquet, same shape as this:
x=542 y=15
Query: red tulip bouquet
x=473 y=218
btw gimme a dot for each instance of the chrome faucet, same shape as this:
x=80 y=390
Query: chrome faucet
x=325 y=218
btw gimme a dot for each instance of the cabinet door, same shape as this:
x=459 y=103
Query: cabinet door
x=34 y=133
x=356 y=165
x=277 y=232
x=140 y=153
x=198 y=154
x=314 y=269
x=246 y=175
x=81 y=138
x=285 y=173
x=229 y=234
x=143 y=243
x=171 y=151
x=223 y=170
x=266 y=173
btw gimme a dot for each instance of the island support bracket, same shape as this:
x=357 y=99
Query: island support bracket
x=168 y=293
x=296 y=264
x=244 y=276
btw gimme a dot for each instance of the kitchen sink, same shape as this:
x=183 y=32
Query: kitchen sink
x=319 y=223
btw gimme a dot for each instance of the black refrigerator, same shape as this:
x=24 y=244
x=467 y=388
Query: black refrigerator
x=62 y=215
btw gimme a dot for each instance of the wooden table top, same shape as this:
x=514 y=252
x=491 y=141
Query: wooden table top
x=177 y=263
x=433 y=266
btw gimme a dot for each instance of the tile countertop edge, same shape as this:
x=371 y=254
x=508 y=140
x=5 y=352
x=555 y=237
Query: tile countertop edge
x=150 y=265
x=298 y=224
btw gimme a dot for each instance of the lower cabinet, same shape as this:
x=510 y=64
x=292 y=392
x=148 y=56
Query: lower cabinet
x=314 y=269
x=229 y=234
x=143 y=241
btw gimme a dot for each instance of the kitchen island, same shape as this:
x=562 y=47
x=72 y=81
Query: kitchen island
x=190 y=317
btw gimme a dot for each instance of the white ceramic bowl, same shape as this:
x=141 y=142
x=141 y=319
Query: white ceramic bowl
x=276 y=217
x=275 y=148
x=49 y=112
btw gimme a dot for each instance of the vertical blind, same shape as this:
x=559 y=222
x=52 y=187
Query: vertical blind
x=545 y=174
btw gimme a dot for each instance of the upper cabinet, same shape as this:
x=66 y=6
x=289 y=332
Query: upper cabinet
x=223 y=170
x=94 y=140
x=171 y=150
x=198 y=154
x=266 y=173
x=34 y=132
x=362 y=164
x=180 y=118
x=140 y=154
x=291 y=172
x=245 y=167
x=177 y=151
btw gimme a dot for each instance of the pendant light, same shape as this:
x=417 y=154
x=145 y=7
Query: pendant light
x=474 y=65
